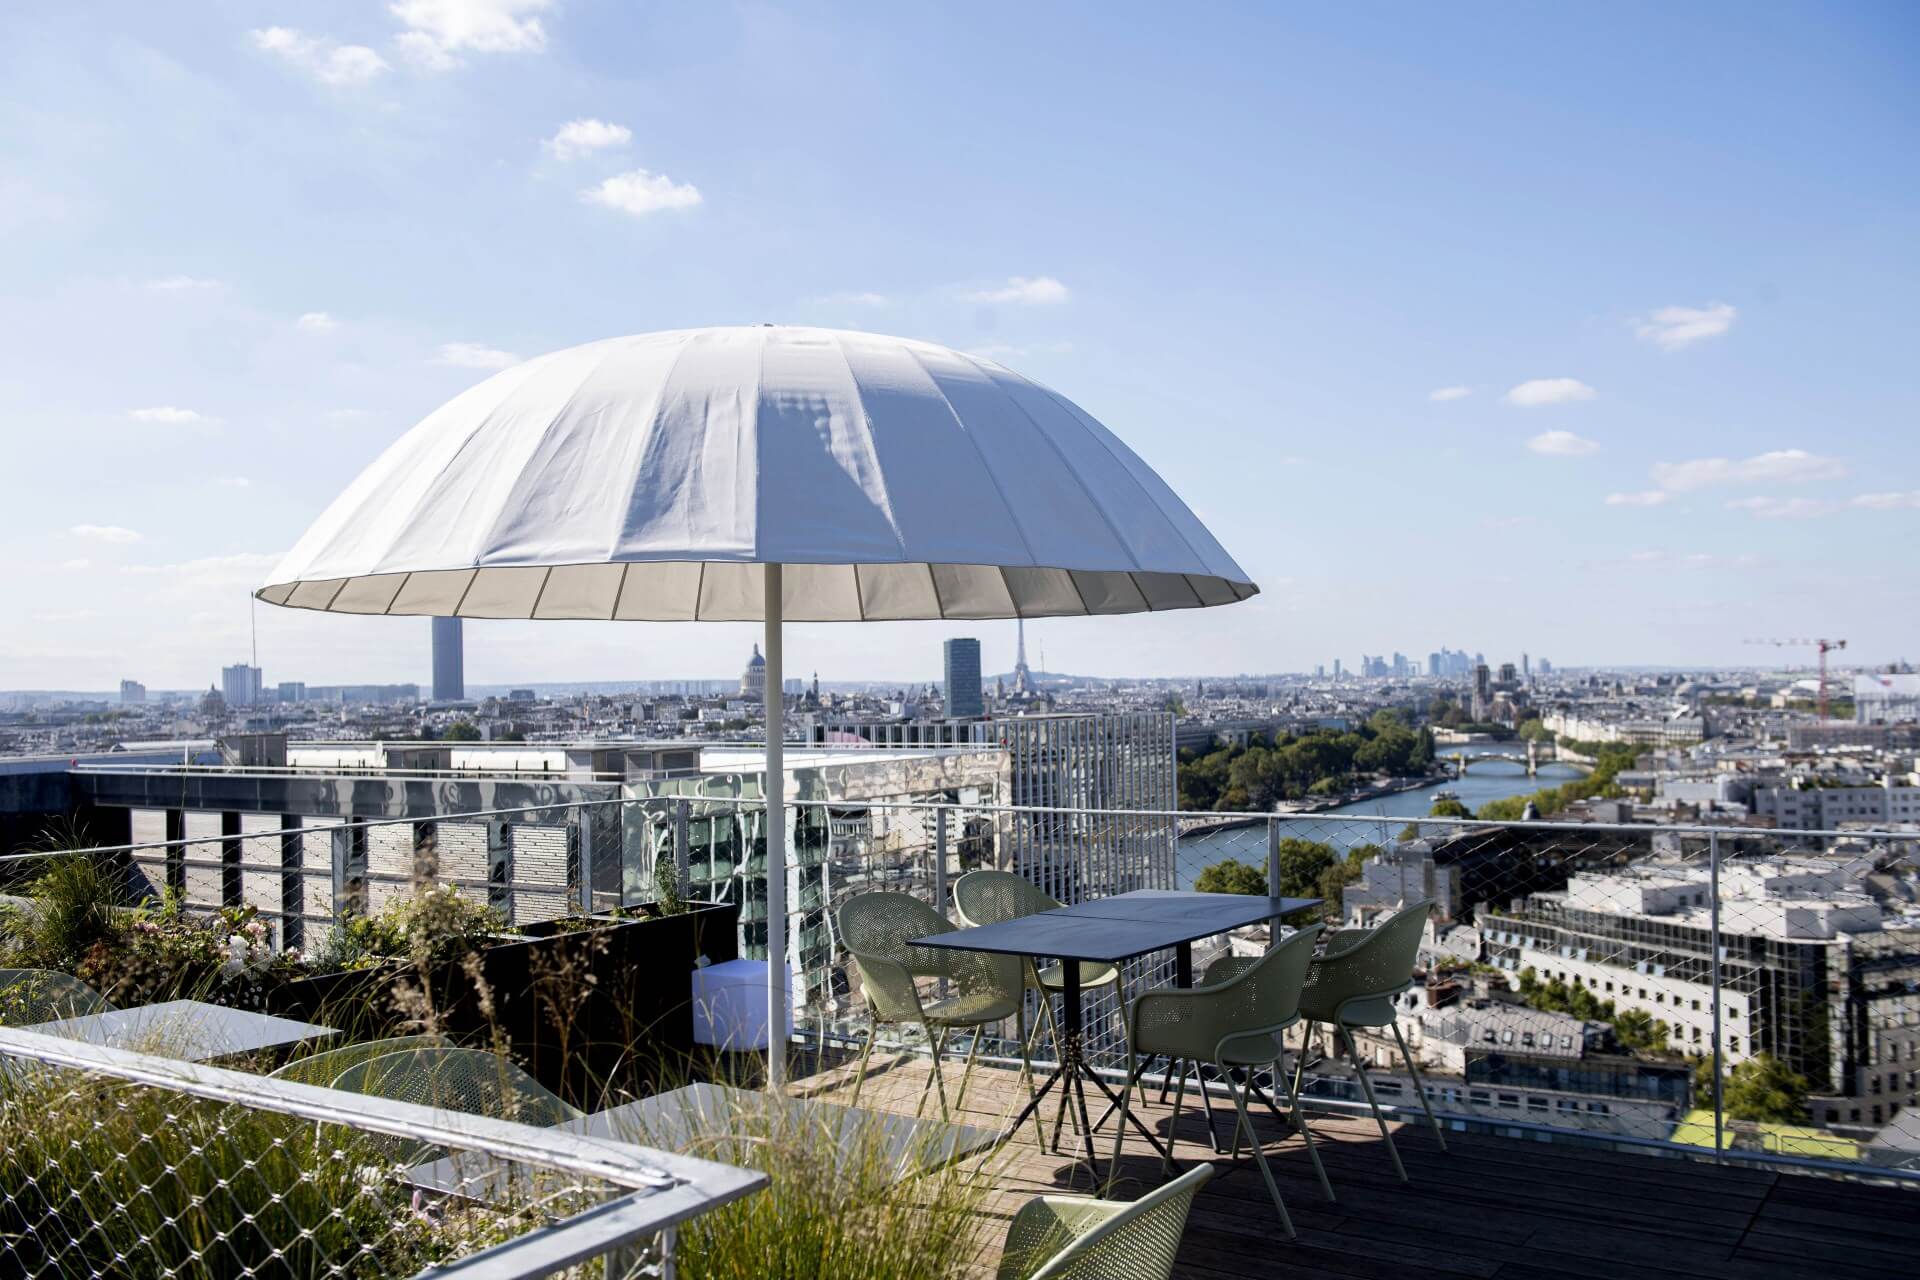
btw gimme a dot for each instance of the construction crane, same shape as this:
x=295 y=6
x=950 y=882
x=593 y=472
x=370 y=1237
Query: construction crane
x=1824 y=646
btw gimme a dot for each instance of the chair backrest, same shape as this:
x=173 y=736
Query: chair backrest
x=328 y=1065
x=469 y=1080
x=1266 y=992
x=28 y=996
x=1382 y=962
x=1137 y=1243
x=992 y=897
x=883 y=923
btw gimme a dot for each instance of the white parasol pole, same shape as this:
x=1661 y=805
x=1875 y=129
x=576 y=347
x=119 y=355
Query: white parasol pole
x=774 y=700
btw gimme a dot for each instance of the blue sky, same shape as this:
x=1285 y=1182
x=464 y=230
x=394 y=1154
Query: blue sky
x=1589 y=333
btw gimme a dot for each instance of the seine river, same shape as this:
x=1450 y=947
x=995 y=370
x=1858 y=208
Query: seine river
x=1491 y=780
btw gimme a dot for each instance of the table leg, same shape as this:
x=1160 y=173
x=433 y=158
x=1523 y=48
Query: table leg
x=1077 y=1069
x=1183 y=965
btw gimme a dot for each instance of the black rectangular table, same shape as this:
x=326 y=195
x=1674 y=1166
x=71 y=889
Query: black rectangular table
x=1110 y=931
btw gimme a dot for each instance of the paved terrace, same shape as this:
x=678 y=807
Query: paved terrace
x=1491 y=1208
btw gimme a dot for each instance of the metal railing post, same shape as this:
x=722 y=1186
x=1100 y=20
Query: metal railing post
x=293 y=884
x=500 y=865
x=1273 y=875
x=1719 y=1066
x=176 y=855
x=682 y=846
x=349 y=869
x=231 y=885
x=940 y=873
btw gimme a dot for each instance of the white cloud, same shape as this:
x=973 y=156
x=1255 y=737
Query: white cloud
x=1694 y=560
x=232 y=482
x=112 y=533
x=182 y=284
x=167 y=415
x=240 y=571
x=1029 y=291
x=1562 y=444
x=316 y=322
x=855 y=300
x=1644 y=498
x=640 y=193
x=472 y=355
x=76 y=566
x=1780 y=508
x=1676 y=327
x=438 y=29
x=1888 y=501
x=1444 y=394
x=1780 y=466
x=584 y=137
x=1538 y=391
x=329 y=62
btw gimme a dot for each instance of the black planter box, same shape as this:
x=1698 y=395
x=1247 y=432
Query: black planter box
x=597 y=1014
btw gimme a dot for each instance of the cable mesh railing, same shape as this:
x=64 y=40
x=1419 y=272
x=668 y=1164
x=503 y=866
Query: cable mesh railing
x=1737 y=989
x=115 y=1162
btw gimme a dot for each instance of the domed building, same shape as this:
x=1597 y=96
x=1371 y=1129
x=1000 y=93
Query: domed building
x=753 y=681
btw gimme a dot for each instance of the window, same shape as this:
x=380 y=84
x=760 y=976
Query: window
x=1536 y=1104
x=1506 y=1037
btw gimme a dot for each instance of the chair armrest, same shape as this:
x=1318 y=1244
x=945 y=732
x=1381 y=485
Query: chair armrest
x=888 y=986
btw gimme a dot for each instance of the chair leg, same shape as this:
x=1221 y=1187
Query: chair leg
x=933 y=1081
x=1173 y=1119
x=1243 y=1121
x=1419 y=1086
x=1120 y=1130
x=1300 y=1063
x=1300 y=1123
x=1206 y=1110
x=1166 y=1081
x=966 y=1074
x=866 y=1051
x=1366 y=1087
x=1026 y=1071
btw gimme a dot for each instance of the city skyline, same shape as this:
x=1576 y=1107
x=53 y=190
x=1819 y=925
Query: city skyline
x=1494 y=340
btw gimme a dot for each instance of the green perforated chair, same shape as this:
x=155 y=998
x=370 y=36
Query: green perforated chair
x=29 y=996
x=328 y=1065
x=1356 y=983
x=1069 y=1238
x=877 y=930
x=992 y=897
x=1239 y=1023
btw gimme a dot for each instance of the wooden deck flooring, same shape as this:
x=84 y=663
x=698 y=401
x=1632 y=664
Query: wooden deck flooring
x=1490 y=1208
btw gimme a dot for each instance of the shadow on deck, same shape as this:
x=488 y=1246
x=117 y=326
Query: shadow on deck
x=1488 y=1207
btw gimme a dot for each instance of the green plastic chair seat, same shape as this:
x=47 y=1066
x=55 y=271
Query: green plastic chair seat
x=971 y=1008
x=1068 y=1238
x=1053 y=977
x=1374 y=1011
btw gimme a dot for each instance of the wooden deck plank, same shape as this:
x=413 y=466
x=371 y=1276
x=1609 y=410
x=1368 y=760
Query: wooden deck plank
x=1487 y=1208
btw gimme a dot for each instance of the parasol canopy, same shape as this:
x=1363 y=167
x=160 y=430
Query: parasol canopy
x=648 y=478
